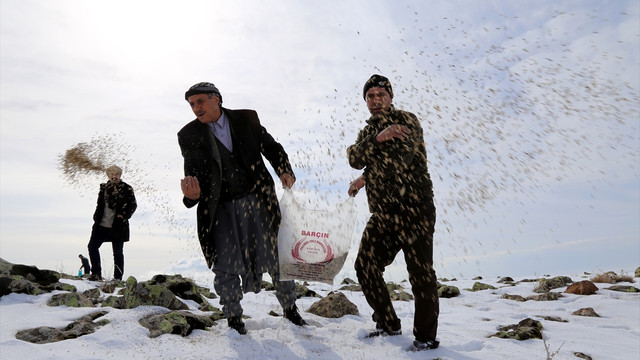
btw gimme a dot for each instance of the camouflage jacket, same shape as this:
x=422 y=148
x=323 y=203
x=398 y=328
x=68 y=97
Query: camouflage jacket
x=395 y=171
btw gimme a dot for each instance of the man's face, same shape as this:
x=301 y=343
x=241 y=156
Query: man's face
x=206 y=110
x=114 y=176
x=378 y=100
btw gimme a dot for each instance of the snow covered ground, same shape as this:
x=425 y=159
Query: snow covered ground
x=466 y=322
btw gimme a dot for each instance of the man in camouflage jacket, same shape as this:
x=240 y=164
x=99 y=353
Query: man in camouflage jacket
x=391 y=150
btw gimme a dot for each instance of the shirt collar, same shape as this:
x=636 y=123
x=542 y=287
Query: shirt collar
x=222 y=121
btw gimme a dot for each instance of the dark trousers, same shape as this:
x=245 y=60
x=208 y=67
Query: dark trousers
x=101 y=234
x=246 y=247
x=410 y=230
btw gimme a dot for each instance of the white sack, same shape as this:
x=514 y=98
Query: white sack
x=313 y=244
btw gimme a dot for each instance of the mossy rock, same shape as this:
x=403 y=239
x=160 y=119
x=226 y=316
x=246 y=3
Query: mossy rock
x=478 y=286
x=401 y=296
x=448 y=291
x=73 y=299
x=546 y=285
x=524 y=330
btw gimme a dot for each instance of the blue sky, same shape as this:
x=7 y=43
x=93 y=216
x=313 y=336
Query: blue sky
x=530 y=112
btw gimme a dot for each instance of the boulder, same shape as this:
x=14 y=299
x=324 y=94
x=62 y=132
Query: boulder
x=335 y=305
x=448 y=291
x=513 y=297
x=136 y=294
x=18 y=284
x=183 y=288
x=546 y=285
x=303 y=291
x=83 y=326
x=524 y=330
x=348 y=281
x=624 y=288
x=352 y=287
x=586 y=312
x=177 y=322
x=71 y=299
x=33 y=274
x=478 y=286
x=548 y=296
x=401 y=296
x=553 y=318
x=584 y=287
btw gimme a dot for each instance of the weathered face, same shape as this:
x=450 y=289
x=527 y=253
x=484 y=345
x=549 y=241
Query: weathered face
x=378 y=100
x=114 y=176
x=206 y=110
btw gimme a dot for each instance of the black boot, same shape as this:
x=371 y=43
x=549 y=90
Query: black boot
x=427 y=345
x=382 y=332
x=237 y=324
x=293 y=315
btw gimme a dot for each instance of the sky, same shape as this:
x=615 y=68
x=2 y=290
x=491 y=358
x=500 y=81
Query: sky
x=529 y=109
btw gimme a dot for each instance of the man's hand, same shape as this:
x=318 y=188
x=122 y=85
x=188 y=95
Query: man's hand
x=393 y=132
x=190 y=187
x=287 y=180
x=356 y=185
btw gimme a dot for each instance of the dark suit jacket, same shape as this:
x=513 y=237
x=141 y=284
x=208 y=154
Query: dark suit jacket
x=125 y=205
x=202 y=160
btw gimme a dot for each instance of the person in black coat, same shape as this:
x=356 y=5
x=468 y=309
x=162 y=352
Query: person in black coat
x=116 y=205
x=85 y=264
x=238 y=215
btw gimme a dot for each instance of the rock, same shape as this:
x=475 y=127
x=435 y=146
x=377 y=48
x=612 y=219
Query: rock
x=391 y=286
x=584 y=287
x=177 y=322
x=524 y=330
x=114 y=302
x=624 y=288
x=354 y=287
x=94 y=295
x=183 y=288
x=513 y=297
x=59 y=286
x=586 y=312
x=505 y=279
x=136 y=294
x=72 y=299
x=448 y=291
x=5 y=265
x=83 y=326
x=303 y=291
x=108 y=287
x=549 y=296
x=335 y=305
x=637 y=274
x=553 y=318
x=20 y=285
x=582 y=356
x=546 y=285
x=33 y=274
x=5 y=285
x=478 y=286
x=348 y=281
x=477 y=278
x=401 y=296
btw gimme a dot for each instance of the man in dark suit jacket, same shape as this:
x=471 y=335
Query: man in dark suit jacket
x=237 y=208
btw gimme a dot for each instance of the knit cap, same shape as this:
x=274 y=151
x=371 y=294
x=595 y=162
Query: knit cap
x=377 y=81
